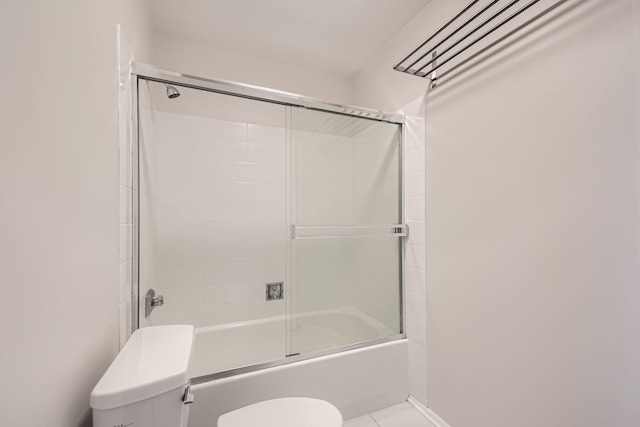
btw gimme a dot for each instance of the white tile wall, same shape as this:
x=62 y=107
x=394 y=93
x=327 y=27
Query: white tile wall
x=346 y=180
x=125 y=187
x=322 y=173
x=149 y=252
x=322 y=195
x=415 y=265
x=220 y=213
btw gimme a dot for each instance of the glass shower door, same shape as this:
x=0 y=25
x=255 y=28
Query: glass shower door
x=275 y=230
x=346 y=214
x=213 y=231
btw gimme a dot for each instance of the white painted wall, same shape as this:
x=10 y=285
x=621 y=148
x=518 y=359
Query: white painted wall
x=533 y=302
x=59 y=218
x=198 y=59
x=377 y=85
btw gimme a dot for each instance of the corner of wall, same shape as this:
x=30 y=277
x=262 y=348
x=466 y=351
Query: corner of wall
x=125 y=156
x=428 y=413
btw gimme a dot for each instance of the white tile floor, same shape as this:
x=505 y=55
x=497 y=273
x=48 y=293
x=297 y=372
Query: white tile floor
x=402 y=415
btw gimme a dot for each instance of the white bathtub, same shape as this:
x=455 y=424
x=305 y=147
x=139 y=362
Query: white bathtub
x=224 y=347
x=356 y=381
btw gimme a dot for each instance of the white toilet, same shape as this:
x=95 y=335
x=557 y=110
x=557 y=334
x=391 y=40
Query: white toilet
x=147 y=385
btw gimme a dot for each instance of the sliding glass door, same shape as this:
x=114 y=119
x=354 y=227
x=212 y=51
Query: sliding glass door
x=276 y=230
x=346 y=230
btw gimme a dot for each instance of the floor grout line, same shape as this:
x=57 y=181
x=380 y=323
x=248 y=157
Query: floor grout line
x=399 y=416
x=374 y=420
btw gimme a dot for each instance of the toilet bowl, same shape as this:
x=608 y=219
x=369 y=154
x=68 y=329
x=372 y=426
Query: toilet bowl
x=284 y=412
x=148 y=385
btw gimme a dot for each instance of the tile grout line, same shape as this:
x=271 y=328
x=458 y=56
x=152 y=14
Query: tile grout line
x=374 y=420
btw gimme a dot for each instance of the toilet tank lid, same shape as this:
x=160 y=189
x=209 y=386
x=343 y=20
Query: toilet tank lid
x=155 y=360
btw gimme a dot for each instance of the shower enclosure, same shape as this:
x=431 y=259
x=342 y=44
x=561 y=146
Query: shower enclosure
x=271 y=222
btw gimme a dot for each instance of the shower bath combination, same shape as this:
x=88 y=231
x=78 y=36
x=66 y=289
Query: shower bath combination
x=273 y=223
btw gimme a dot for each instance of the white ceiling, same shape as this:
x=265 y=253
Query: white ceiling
x=336 y=36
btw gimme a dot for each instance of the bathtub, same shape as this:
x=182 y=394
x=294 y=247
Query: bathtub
x=231 y=346
x=357 y=380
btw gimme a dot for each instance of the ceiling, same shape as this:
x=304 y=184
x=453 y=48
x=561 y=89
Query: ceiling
x=336 y=36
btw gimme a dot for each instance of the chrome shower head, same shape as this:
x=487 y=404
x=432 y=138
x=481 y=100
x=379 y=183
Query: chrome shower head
x=172 y=92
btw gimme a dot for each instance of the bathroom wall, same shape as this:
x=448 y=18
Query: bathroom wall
x=214 y=204
x=322 y=269
x=59 y=261
x=146 y=192
x=126 y=187
x=324 y=289
x=347 y=174
x=198 y=59
x=323 y=172
x=533 y=300
x=415 y=265
x=213 y=211
x=376 y=200
x=377 y=85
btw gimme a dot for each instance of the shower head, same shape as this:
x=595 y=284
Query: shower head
x=172 y=92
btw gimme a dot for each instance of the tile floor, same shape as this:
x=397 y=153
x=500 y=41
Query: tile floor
x=402 y=415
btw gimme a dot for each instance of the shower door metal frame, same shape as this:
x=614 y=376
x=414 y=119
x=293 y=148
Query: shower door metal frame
x=140 y=71
x=149 y=72
x=135 y=205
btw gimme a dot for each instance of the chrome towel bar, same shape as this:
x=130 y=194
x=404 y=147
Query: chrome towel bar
x=447 y=44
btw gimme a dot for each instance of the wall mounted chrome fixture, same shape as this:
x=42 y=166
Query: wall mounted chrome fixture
x=446 y=45
x=172 y=92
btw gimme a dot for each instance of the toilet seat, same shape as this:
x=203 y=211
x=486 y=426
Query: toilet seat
x=284 y=412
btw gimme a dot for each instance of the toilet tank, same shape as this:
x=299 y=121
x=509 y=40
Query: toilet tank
x=147 y=385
